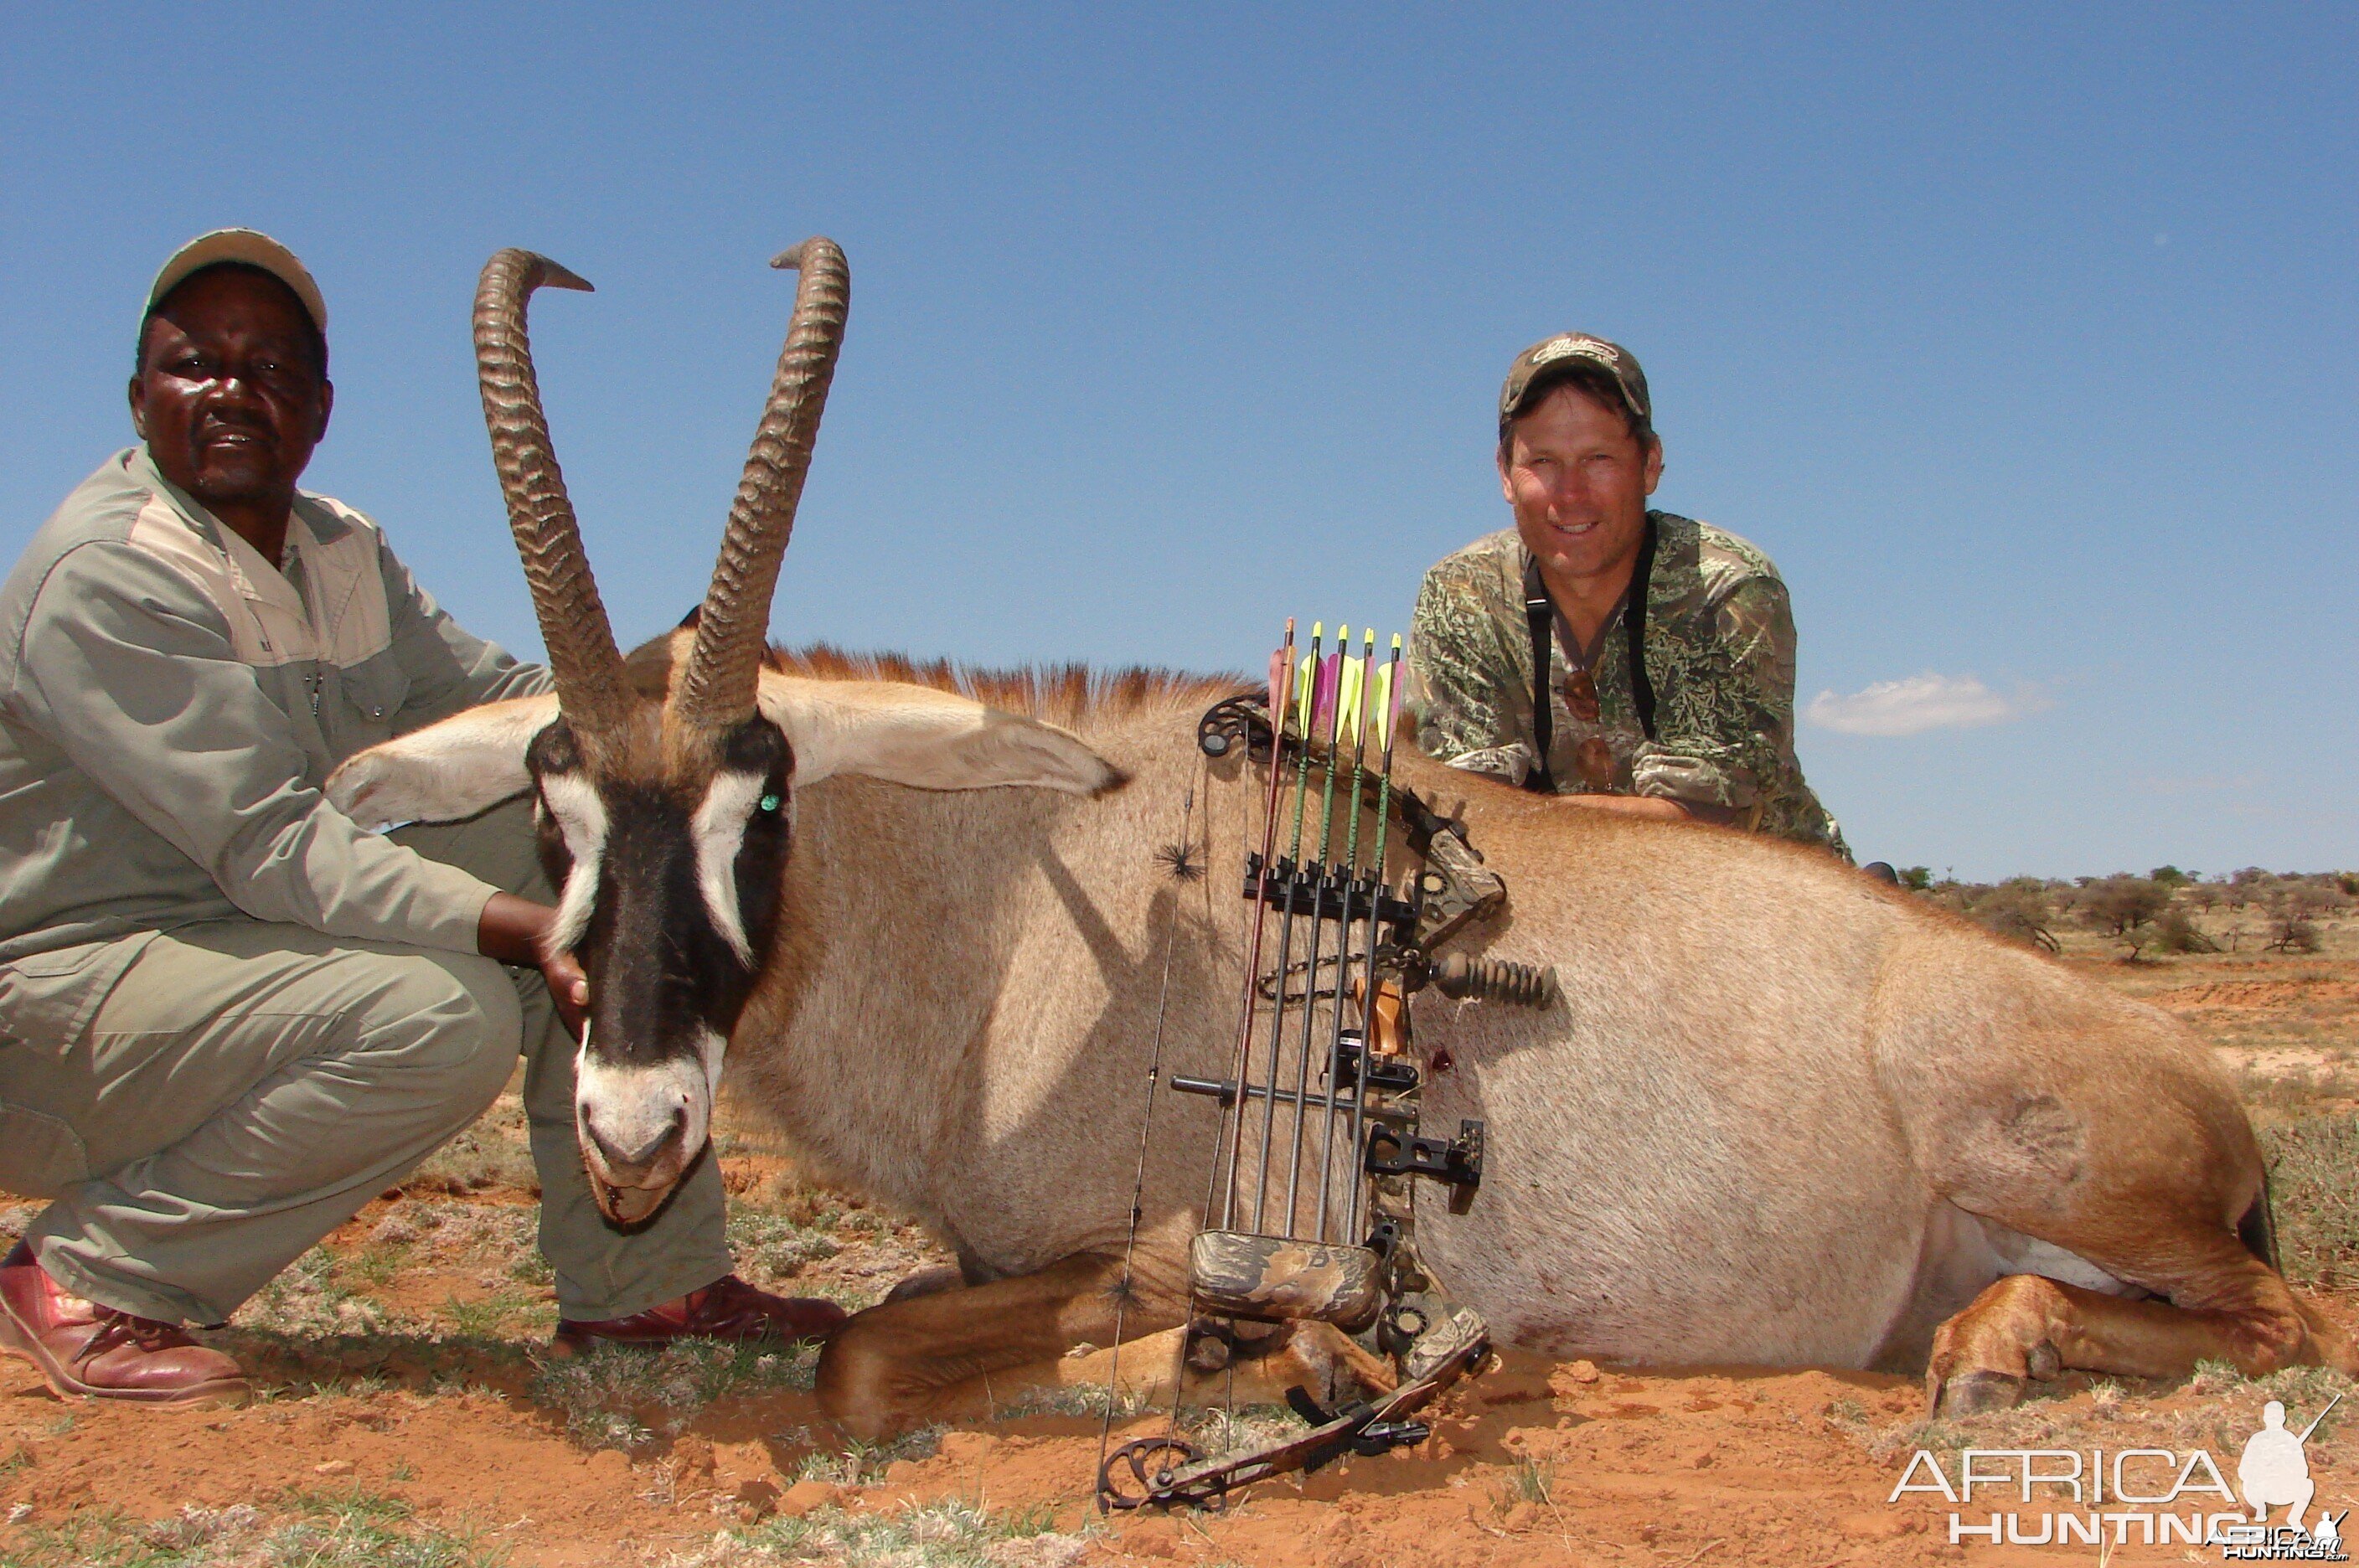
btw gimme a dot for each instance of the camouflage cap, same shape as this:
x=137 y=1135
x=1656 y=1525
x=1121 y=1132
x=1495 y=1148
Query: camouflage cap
x=1541 y=366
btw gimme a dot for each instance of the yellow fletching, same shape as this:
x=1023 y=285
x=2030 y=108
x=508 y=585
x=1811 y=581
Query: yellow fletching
x=1350 y=688
x=1384 y=716
x=1303 y=684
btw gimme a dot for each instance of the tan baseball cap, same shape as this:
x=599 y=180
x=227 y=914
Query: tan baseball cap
x=1540 y=365
x=247 y=245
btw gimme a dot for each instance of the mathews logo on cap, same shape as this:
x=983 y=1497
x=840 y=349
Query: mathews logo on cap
x=1541 y=367
x=249 y=246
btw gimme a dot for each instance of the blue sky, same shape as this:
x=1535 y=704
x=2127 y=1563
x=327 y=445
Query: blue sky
x=2025 y=339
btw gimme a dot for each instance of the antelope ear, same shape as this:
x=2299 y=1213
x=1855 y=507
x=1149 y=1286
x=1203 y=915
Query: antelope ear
x=928 y=739
x=468 y=763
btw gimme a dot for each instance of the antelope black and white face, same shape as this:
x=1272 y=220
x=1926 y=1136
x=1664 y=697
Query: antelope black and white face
x=671 y=900
x=665 y=807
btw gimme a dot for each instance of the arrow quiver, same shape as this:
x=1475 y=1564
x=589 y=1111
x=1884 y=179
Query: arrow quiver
x=1310 y=1211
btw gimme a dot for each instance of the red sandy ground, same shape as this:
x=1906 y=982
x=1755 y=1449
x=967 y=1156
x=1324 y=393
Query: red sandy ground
x=1663 y=1468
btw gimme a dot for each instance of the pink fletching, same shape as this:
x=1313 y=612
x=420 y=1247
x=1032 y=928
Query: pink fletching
x=1280 y=668
x=1322 y=708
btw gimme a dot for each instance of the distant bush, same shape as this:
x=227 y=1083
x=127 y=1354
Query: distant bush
x=2018 y=911
x=2293 y=933
x=2174 y=931
x=2123 y=908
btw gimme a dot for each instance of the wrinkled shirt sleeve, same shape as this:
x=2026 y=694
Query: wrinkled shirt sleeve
x=448 y=668
x=1728 y=722
x=1467 y=690
x=131 y=672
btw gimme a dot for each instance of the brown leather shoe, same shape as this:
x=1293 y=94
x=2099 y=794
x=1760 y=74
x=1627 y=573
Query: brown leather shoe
x=728 y=1309
x=94 y=1352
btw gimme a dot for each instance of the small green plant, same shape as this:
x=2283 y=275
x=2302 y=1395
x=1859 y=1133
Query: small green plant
x=374 y=1264
x=530 y=1268
x=488 y=1317
x=1847 y=1415
x=1071 y=1399
x=862 y=1463
x=1531 y=1482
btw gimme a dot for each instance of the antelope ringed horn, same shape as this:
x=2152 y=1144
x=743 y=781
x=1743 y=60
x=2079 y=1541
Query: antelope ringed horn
x=725 y=667
x=582 y=657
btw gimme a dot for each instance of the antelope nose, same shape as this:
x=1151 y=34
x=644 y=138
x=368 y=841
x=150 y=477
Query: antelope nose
x=621 y=1161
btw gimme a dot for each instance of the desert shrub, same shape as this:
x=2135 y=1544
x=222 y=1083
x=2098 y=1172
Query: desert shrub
x=2174 y=931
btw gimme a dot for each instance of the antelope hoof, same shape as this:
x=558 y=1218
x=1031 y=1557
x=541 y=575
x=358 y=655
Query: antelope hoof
x=1975 y=1394
x=1332 y=1366
x=1208 y=1351
x=2044 y=1361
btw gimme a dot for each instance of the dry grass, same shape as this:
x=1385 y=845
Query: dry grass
x=2314 y=1188
x=616 y=1397
x=949 y=1534
x=352 y=1528
x=492 y=1154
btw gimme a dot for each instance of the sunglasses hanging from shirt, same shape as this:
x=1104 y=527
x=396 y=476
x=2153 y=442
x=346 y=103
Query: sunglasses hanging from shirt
x=1581 y=689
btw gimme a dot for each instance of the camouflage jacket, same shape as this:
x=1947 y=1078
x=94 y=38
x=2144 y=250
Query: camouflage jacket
x=1720 y=656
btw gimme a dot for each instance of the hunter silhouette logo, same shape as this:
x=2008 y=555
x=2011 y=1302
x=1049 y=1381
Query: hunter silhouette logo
x=2148 y=1496
x=2275 y=1471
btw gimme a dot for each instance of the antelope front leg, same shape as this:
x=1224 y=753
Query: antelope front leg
x=2026 y=1326
x=884 y=1370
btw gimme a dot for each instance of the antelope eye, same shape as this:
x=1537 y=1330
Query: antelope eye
x=767 y=804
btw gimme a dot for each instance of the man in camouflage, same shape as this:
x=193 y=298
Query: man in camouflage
x=1700 y=724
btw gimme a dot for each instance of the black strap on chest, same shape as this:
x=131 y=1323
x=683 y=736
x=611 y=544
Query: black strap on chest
x=1539 y=617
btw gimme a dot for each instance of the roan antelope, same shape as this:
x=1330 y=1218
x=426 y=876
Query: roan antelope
x=1779 y=1114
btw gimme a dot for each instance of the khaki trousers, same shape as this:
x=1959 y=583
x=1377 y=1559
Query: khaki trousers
x=205 y=1104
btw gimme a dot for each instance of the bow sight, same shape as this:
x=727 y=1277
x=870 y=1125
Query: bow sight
x=1309 y=1212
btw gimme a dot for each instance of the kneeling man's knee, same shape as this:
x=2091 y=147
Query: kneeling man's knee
x=453 y=1017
